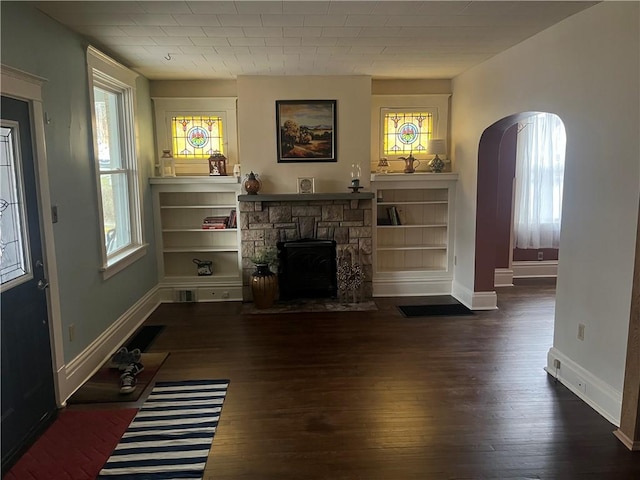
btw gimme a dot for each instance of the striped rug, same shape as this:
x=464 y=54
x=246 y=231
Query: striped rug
x=171 y=435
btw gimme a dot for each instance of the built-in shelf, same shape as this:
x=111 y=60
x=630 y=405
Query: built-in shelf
x=413 y=235
x=180 y=206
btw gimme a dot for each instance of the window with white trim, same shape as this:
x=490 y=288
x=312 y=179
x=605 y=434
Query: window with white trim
x=112 y=89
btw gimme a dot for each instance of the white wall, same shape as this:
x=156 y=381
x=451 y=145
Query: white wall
x=586 y=70
x=257 y=97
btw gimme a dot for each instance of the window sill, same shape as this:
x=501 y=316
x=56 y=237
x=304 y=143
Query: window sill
x=123 y=260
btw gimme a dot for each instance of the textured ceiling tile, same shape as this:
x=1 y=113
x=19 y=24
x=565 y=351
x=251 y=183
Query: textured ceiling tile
x=223 y=7
x=341 y=32
x=302 y=32
x=320 y=41
x=324 y=20
x=259 y=7
x=164 y=7
x=143 y=31
x=210 y=41
x=184 y=31
x=366 y=20
x=173 y=41
x=223 y=31
x=240 y=20
x=283 y=41
x=262 y=32
x=127 y=40
x=246 y=42
x=197 y=20
x=151 y=19
x=282 y=20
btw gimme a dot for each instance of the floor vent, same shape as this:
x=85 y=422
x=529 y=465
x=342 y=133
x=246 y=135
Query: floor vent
x=186 y=295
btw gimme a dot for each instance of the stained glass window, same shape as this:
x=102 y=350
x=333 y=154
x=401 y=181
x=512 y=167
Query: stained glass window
x=406 y=132
x=196 y=136
x=13 y=247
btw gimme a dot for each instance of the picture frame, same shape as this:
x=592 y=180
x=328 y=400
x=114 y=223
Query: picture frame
x=306 y=131
x=306 y=185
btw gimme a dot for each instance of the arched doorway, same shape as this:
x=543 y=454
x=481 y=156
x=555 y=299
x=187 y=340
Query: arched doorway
x=495 y=194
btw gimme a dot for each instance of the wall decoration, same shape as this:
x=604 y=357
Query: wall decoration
x=306 y=130
x=306 y=185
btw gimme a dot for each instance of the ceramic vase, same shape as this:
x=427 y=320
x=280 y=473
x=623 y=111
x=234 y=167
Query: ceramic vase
x=264 y=286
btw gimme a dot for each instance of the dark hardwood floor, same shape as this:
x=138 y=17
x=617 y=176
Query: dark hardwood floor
x=374 y=395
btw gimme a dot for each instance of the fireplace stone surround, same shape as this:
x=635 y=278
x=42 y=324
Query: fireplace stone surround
x=266 y=219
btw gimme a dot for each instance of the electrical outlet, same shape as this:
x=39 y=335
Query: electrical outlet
x=581 y=331
x=540 y=256
x=581 y=384
x=225 y=294
x=556 y=363
x=72 y=332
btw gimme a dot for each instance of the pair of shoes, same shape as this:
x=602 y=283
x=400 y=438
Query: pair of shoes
x=127 y=383
x=122 y=358
x=133 y=369
x=128 y=377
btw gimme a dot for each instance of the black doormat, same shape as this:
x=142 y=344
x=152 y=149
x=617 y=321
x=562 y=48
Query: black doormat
x=441 y=310
x=144 y=338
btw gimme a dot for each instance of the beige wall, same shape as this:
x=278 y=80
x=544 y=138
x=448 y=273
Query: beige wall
x=257 y=129
x=586 y=70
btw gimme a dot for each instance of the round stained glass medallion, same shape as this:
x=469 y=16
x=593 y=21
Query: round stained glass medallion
x=408 y=133
x=198 y=137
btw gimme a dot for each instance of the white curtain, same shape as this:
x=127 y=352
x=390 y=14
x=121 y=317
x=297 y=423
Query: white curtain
x=539 y=175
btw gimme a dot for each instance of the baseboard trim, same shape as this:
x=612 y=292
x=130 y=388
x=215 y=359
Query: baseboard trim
x=626 y=441
x=599 y=395
x=541 y=269
x=474 y=300
x=411 y=287
x=79 y=370
x=503 y=277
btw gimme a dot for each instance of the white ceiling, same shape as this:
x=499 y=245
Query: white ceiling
x=383 y=39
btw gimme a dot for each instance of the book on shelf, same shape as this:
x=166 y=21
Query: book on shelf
x=217 y=222
x=394 y=218
x=233 y=219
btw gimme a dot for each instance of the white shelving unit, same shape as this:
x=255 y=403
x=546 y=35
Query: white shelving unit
x=180 y=205
x=413 y=254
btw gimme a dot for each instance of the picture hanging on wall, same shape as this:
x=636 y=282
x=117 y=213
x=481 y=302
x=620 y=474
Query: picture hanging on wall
x=306 y=130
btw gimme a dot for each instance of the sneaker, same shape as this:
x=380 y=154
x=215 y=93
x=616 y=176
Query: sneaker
x=127 y=383
x=118 y=358
x=132 y=369
x=131 y=357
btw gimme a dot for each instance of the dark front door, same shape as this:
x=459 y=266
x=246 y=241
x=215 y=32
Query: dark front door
x=28 y=398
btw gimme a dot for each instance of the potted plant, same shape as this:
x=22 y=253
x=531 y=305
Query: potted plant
x=264 y=282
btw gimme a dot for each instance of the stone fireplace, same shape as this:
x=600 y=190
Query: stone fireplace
x=343 y=218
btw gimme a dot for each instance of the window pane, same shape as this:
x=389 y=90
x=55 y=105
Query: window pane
x=13 y=247
x=406 y=132
x=107 y=129
x=196 y=136
x=115 y=208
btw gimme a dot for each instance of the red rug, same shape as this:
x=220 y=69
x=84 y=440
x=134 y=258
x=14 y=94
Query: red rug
x=74 y=447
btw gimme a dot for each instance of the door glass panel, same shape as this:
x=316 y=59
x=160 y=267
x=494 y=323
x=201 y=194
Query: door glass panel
x=14 y=249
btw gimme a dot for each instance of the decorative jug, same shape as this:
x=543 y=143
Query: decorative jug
x=204 y=267
x=252 y=183
x=409 y=163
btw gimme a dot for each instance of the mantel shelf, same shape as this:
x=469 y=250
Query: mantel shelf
x=304 y=197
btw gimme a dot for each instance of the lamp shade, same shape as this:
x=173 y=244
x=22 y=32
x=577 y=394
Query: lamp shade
x=436 y=146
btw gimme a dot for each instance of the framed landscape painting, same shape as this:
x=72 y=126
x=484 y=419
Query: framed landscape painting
x=306 y=130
